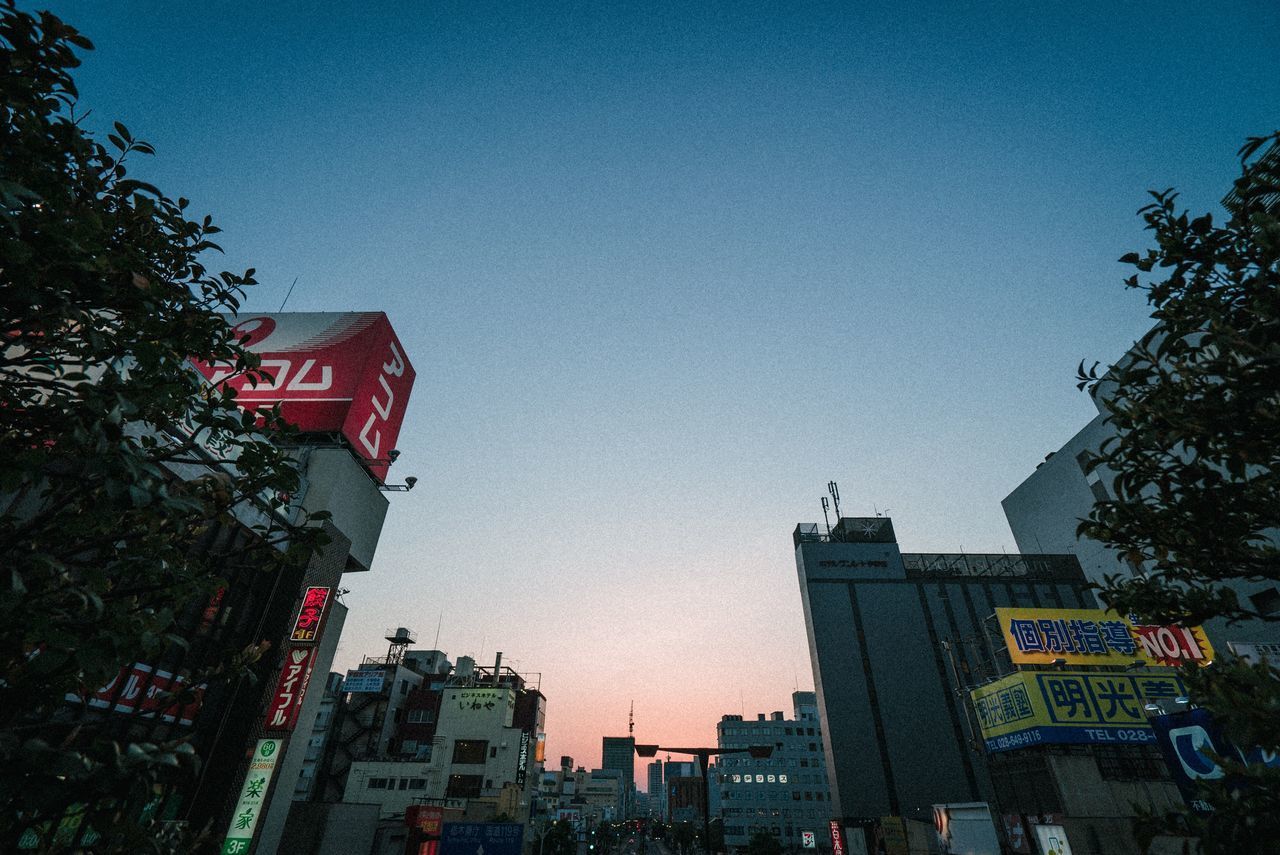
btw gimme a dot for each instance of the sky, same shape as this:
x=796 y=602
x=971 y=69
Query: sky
x=666 y=269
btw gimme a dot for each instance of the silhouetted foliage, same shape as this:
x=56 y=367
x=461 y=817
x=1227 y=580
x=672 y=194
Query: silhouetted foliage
x=1195 y=499
x=114 y=454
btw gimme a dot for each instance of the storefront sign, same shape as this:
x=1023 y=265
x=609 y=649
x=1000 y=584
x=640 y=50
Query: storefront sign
x=1097 y=637
x=306 y=627
x=138 y=688
x=252 y=796
x=291 y=688
x=837 y=837
x=1069 y=708
x=489 y=838
x=1052 y=839
x=808 y=840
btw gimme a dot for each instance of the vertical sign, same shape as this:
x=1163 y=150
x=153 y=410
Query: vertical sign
x=252 y=795
x=837 y=838
x=306 y=628
x=808 y=840
x=522 y=759
x=286 y=701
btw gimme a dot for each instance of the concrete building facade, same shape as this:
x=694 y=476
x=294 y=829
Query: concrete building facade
x=785 y=794
x=893 y=638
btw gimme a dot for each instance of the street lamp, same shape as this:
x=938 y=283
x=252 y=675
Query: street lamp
x=760 y=752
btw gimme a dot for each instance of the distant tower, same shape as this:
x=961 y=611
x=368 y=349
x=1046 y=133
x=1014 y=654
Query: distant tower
x=631 y=721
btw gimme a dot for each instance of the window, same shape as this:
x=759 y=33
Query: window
x=470 y=751
x=417 y=783
x=809 y=731
x=787 y=731
x=404 y=783
x=404 y=687
x=464 y=786
x=422 y=716
x=813 y=746
x=493 y=751
x=377 y=783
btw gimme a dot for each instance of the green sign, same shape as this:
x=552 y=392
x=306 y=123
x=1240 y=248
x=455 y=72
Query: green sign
x=252 y=797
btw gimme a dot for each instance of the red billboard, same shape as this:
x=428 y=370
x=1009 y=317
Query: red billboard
x=286 y=701
x=331 y=372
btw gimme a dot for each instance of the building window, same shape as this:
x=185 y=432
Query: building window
x=493 y=751
x=377 y=783
x=417 y=783
x=465 y=786
x=422 y=716
x=470 y=751
x=404 y=783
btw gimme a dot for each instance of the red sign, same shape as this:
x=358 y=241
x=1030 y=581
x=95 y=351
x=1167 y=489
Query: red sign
x=306 y=627
x=1171 y=645
x=286 y=703
x=426 y=819
x=331 y=372
x=837 y=837
x=136 y=689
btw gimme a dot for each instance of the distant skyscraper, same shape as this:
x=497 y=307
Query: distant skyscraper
x=655 y=788
x=619 y=752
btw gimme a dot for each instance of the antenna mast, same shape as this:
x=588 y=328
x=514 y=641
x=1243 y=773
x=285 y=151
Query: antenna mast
x=631 y=721
x=834 y=489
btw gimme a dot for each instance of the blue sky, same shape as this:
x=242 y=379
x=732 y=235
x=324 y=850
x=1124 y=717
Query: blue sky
x=666 y=269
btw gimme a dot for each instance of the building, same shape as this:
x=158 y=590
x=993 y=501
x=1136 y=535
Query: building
x=656 y=801
x=1045 y=510
x=785 y=794
x=894 y=638
x=581 y=797
x=619 y=752
x=672 y=769
x=466 y=735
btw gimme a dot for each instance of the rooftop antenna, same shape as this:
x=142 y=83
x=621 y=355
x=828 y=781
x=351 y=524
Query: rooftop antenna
x=436 y=645
x=289 y=294
x=825 y=518
x=631 y=721
x=834 y=490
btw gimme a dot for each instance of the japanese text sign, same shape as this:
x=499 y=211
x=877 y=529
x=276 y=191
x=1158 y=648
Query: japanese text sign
x=330 y=372
x=253 y=796
x=142 y=690
x=306 y=627
x=489 y=838
x=1097 y=637
x=286 y=701
x=1069 y=707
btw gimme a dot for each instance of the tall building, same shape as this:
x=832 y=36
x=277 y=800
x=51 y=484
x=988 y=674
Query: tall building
x=785 y=794
x=619 y=752
x=655 y=788
x=893 y=639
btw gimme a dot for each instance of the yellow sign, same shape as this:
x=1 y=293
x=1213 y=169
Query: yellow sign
x=1061 y=707
x=1097 y=637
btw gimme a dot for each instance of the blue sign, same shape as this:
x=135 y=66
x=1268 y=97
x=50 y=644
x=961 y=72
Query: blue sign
x=481 y=838
x=1186 y=740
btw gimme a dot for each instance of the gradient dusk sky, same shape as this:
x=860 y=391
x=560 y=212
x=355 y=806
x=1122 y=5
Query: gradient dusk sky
x=665 y=269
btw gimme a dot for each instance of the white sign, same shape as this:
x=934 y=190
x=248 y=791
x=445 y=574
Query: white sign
x=252 y=795
x=1052 y=839
x=363 y=681
x=809 y=840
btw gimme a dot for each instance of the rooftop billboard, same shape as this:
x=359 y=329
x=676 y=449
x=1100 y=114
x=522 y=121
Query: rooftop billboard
x=331 y=372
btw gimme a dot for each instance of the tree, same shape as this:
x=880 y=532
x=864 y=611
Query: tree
x=558 y=838
x=115 y=456
x=1195 y=500
x=764 y=843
